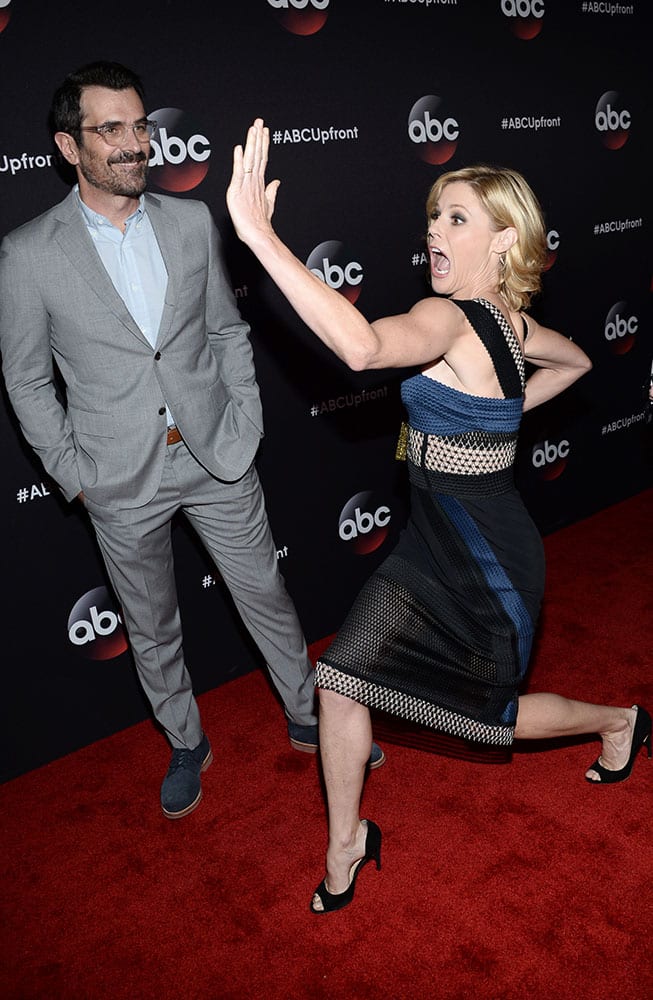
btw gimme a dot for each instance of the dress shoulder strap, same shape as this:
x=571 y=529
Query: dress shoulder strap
x=500 y=342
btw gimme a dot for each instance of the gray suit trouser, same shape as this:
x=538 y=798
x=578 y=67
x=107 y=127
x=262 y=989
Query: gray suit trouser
x=231 y=520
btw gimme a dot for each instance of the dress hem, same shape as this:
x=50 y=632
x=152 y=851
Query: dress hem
x=409 y=707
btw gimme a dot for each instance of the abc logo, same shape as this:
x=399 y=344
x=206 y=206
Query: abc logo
x=95 y=627
x=434 y=132
x=5 y=14
x=301 y=17
x=329 y=261
x=179 y=159
x=611 y=121
x=550 y=459
x=552 y=244
x=620 y=329
x=364 y=522
x=526 y=17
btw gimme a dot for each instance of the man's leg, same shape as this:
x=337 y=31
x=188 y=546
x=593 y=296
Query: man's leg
x=136 y=546
x=231 y=520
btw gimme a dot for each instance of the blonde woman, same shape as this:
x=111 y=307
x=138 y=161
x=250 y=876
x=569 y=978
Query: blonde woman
x=441 y=632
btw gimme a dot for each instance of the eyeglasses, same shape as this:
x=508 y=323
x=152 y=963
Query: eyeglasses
x=115 y=133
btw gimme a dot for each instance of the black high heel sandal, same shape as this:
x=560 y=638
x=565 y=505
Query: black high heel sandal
x=337 y=900
x=641 y=738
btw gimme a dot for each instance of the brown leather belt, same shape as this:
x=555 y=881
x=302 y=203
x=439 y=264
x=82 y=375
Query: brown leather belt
x=174 y=437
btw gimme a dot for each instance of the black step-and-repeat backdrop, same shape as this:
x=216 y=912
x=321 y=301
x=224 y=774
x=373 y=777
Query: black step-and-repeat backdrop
x=368 y=101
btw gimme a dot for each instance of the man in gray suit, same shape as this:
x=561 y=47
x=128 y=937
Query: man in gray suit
x=128 y=294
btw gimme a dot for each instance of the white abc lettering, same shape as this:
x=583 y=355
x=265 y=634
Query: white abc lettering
x=553 y=239
x=347 y=529
x=620 y=327
x=81 y=633
x=364 y=523
x=611 y=120
x=382 y=516
x=549 y=453
x=103 y=623
x=335 y=276
x=172 y=149
x=198 y=148
x=523 y=8
x=432 y=130
x=108 y=617
x=299 y=4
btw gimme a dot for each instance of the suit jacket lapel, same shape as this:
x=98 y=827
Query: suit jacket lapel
x=167 y=233
x=75 y=242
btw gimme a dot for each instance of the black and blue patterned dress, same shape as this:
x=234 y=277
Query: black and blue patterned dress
x=441 y=632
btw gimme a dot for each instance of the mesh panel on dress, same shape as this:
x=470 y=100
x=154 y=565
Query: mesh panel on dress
x=396 y=652
x=471 y=453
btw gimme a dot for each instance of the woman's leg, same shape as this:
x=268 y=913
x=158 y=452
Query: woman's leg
x=345 y=745
x=543 y=716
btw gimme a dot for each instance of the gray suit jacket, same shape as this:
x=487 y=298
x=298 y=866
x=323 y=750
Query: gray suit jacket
x=108 y=438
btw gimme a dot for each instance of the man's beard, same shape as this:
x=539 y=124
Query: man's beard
x=122 y=187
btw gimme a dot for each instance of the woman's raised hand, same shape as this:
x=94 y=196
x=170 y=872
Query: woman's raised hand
x=249 y=200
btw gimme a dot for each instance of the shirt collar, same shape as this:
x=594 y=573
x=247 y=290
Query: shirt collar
x=95 y=220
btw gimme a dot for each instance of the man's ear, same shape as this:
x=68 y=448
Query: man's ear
x=67 y=147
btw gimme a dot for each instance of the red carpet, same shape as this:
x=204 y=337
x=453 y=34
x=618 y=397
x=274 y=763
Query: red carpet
x=500 y=881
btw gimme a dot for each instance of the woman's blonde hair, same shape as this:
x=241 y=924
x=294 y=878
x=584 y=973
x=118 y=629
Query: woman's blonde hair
x=509 y=201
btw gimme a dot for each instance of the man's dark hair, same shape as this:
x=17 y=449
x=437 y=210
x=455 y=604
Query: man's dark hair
x=65 y=112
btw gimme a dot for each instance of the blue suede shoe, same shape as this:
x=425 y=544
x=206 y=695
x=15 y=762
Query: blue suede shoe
x=181 y=791
x=305 y=738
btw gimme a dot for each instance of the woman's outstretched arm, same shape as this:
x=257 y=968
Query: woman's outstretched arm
x=417 y=337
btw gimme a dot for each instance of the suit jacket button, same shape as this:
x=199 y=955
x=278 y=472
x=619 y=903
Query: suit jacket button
x=157 y=356
x=162 y=411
